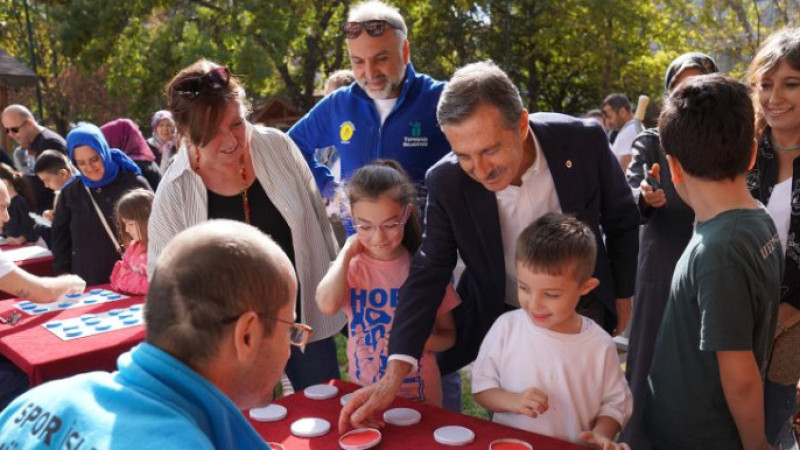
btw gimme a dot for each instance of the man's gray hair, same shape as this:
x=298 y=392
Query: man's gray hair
x=480 y=83
x=378 y=10
x=18 y=110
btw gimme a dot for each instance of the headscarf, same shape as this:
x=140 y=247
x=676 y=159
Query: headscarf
x=691 y=60
x=113 y=159
x=124 y=134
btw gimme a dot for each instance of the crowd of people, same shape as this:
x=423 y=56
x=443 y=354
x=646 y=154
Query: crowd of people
x=473 y=232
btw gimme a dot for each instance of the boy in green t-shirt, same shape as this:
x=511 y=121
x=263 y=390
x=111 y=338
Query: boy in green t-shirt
x=705 y=385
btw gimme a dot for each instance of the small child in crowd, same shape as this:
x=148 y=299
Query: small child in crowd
x=365 y=279
x=705 y=388
x=545 y=368
x=132 y=213
x=20 y=226
x=55 y=171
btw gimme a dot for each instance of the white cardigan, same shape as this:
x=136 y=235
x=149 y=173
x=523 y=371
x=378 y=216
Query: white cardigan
x=182 y=201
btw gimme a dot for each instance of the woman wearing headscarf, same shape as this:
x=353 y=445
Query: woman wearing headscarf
x=231 y=169
x=124 y=134
x=84 y=234
x=668 y=226
x=163 y=142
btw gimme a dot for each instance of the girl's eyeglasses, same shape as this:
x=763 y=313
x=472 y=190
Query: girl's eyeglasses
x=391 y=228
x=299 y=333
x=190 y=88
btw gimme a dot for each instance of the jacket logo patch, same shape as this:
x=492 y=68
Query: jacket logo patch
x=346 y=130
x=416 y=139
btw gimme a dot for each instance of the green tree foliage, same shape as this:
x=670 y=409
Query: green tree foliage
x=99 y=60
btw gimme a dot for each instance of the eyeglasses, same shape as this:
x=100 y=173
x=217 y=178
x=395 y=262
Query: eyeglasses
x=374 y=28
x=190 y=88
x=391 y=228
x=299 y=333
x=90 y=162
x=12 y=319
x=15 y=129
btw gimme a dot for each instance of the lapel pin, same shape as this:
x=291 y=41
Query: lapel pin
x=569 y=164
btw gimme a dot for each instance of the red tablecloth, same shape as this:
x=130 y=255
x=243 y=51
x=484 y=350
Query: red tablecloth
x=43 y=356
x=416 y=436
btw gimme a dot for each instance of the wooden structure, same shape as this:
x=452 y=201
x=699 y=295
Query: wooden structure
x=13 y=74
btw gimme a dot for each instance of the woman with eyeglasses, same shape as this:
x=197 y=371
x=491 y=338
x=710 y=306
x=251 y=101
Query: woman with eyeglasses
x=84 y=233
x=775 y=181
x=228 y=168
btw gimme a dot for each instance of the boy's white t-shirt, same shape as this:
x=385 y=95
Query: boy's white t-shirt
x=580 y=373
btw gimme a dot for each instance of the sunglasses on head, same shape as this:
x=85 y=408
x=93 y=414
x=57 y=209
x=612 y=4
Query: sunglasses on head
x=190 y=88
x=373 y=28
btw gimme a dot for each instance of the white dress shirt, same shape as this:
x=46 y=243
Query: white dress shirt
x=520 y=206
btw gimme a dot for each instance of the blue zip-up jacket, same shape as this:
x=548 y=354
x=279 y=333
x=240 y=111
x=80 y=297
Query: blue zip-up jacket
x=153 y=402
x=348 y=120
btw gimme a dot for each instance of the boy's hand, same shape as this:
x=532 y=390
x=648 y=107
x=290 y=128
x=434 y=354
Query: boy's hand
x=531 y=402
x=48 y=214
x=597 y=440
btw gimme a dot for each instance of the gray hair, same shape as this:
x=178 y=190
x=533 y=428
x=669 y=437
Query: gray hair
x=477 y=84
x=378 y=10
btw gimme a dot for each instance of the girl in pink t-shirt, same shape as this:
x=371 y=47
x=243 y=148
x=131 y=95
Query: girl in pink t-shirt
x=365 y=279
x=132 y=213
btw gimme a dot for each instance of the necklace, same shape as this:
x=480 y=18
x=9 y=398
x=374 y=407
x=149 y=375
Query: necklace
x=783 y=149
x=243 y=174
x=245 y=202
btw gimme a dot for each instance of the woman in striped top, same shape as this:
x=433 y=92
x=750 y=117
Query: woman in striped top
x=228 y=168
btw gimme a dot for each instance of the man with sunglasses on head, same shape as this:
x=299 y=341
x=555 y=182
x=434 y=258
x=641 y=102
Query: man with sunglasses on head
x=220 y=322
x=389 y=113
x=33 y=139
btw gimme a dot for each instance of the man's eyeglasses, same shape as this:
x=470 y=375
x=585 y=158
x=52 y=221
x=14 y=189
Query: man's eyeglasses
x=373 y=28
x=15 y=129
x=391 y=228
x=12 y=319
x=190 y=88
x=299 y=333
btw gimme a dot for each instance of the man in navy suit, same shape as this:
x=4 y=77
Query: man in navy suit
x=506 y=169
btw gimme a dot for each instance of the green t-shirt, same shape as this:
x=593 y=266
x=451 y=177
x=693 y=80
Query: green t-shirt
x=724 y=297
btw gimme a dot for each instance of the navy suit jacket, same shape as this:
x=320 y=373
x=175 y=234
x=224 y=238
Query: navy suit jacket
x=461 y=216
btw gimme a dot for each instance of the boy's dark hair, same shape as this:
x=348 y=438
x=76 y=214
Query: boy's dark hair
x=557 y=243
x=617 y=101
x=707 y=124
x=51 y=161
x=386 y=176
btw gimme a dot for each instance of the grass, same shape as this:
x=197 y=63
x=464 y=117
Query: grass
x=468 y=404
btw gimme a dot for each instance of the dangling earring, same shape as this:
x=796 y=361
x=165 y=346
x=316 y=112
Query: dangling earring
x=197 y=159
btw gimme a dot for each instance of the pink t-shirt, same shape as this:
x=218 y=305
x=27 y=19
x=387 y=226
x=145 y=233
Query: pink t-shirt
x=130 y=274
x=372 y=289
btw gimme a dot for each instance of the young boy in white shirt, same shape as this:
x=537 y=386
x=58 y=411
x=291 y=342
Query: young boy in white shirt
x=544 y=368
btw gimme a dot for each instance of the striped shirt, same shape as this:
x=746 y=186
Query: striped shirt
x=182 y=201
